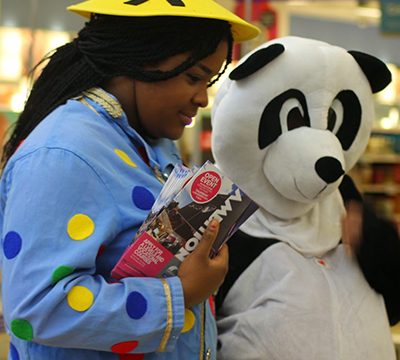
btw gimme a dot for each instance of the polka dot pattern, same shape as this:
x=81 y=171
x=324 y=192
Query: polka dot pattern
x=12 y=244
x=131 y=357
x=80 y=227
x=136 y=305
x=80 y=298
x=322 y=263
x=190 y=320
x=124 y=347
x=142 y=198
x=60 y=273
x=102 y=248
x=22 y=329
x=211 y=301
x=13 y=352
x=125 y=158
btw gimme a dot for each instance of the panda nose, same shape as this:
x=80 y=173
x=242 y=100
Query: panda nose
x=329 y=169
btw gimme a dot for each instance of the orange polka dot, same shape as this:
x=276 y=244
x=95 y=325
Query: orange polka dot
x=80 y=298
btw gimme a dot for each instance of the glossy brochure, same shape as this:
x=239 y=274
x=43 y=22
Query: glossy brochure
x=178 y=219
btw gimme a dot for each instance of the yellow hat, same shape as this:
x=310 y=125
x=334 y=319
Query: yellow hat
x=241 y=30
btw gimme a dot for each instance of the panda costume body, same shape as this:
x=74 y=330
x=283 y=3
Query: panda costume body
x=291 y=121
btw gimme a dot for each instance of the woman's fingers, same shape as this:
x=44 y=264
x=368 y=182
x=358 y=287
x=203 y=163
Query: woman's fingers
x=209 y=236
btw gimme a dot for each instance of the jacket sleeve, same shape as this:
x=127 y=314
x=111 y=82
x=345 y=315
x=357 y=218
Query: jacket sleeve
x=57 y=213
x=379 y=252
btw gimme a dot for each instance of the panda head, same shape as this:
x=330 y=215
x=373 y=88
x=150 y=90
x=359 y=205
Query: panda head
x=294 y=116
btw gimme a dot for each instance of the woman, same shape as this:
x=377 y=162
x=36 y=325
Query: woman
x=83 y=167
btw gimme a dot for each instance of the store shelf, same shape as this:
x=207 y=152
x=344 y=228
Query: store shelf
x=380 y=131
x=385 y=189
x=389 y=158
x=377 y=176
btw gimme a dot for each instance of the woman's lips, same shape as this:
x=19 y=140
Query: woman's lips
x=186 y=119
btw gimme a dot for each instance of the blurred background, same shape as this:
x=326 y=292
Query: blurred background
x=29 y=29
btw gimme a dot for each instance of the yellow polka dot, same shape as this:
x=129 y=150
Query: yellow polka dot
x=80 y=298
x=80 y=227
x=124 y=156
x=190 y=319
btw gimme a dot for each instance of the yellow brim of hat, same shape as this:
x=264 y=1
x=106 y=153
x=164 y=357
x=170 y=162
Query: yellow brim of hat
x=241 y=30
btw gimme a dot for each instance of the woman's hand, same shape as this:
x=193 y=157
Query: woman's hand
x=201 y=275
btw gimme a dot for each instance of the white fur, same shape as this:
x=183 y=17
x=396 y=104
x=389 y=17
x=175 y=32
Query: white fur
x=286 y=306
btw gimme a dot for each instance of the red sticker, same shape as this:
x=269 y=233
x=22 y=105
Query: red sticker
x=206 y=186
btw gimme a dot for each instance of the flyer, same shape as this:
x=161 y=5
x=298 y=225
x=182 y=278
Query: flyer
x=189 y=200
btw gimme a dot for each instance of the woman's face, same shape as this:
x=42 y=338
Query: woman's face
x=164 y=108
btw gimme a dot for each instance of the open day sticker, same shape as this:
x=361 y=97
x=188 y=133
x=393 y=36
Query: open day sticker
x=205 y=187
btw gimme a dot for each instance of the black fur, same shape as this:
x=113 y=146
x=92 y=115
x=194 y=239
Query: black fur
x=378 y=255
x=374 y=69
x=256 y=61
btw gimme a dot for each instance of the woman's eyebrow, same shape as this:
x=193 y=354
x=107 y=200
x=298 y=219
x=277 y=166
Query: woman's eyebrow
x=206 y=69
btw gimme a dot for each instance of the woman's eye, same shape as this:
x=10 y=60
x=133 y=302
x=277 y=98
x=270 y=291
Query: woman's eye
x=193 y=78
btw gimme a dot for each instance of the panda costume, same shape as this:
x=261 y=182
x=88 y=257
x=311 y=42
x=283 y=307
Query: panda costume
x=293 y=118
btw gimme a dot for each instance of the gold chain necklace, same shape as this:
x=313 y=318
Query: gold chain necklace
x=114 y=109
x=105 y=100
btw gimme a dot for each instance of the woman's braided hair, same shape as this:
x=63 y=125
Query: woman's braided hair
x=110 y=46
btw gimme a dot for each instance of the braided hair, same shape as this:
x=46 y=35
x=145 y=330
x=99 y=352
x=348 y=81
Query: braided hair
x=110 y=46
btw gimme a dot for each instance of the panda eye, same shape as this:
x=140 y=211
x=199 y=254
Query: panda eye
x=285 y=112
x=335 y=116
x=295 y=119
x=348 y=113
x=292 y=115
x=331 y=119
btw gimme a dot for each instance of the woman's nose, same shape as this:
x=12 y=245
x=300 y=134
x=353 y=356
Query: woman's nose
x=201 y=97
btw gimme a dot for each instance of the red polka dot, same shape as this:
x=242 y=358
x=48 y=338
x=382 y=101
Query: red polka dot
x=131 y=357
x=101 y=251
x=19 y=145
x=211 y=301
x=124 y=347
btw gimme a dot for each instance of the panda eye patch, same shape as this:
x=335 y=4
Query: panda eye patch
x=335 y=115
x=295 y=119
x=348 y=108
x=331 y=119
x=285 y=112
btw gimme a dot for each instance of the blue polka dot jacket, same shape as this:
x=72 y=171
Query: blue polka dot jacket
x=72 y=197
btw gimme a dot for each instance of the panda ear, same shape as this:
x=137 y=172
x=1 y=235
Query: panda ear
x=375 y=70
x=256 y=61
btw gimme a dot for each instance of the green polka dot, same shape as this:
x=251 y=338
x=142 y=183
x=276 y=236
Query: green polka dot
x=80 y=227
x=60 y=273
x=22 y=329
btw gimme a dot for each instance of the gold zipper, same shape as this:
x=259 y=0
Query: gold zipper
x=202 y=329
x=168 y=328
